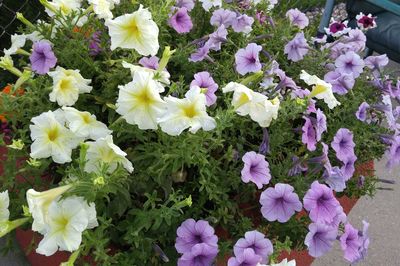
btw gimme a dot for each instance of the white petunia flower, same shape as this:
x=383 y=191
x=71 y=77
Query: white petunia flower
x=66 y=220
x=189 y=112
x=320 y=90
x=207 y=4
x=284 y=262
x=65 y=6
x=4 y=204
x=51 y=139
x=39 y=202
x=162 y=78
x=17 y=41
x=139 y=101
x=102 y=8
x=84 y=124
x=103 y=150
x=134 y=31
x=67 y=85
x=256 y=105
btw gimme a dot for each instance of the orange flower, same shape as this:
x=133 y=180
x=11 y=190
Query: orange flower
x=7 y=90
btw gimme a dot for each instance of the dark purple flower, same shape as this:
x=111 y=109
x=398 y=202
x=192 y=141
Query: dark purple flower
x=350 y=63
x=42 y=57
x=361 y=181
x=222 y=17
x=200 y=255
x=343 y=144
x=243 y=24
x=256 y=169
x=95 y=44
x=208 y=86
x=350 y=243
x=335 y=179
x=217 y=38
x=320 y=239
x=341 y=82
x=309 y=135
x=297 y=18
x=279 y=203
x=257 y=242
x=246 y=258
x=361 y=113
x=200 y=54
x=321 y=203
x=191 y=233
x=150 y=62
x=297 y=48
x=348 y=168
x=298 y=166
x=320 y=124
x=247 y=59
x=376 y=62
x=261 y=17
x=181 y=21
x=365 y=22
x=264 y=146
x=188 y=4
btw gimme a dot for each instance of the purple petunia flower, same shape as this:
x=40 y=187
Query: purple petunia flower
x=297 y=18
x=207 y=84
x=340 y=217
x=247 y=59
x=247 y=258
x=357 y=39
x=181 y=21
x=264 y=146
x=348 y=168
x=42 y=57
x=256 y=169
x=150 y=62
x=341 y=82
x=320 y=124
x=365 y=22
x=279 y=203
x=243 y=24
x=298 y=166
x=297 y=48
x=343 y=144
x=364 y=238
x=223 y=17
x=200 y=54
x=217 y=38
x=95 y=44
x=350 y=63
x=376 y=63
x=337 y=28
x=190 y=233
x=261 y=17
x=394 y=152
x=337 y=50
x=321 y=203
x=309 y=135
x=257 y=242
x=335 y=179
x=200 y=254
x=323 y=159
x=188 y=4
x=320 y=239
x=285 y=81
x=350 y=243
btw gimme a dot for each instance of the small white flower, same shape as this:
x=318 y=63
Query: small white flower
x=65 y=6
x=67 y=85
x=39 y=202
x=4 y=204
x=17 y=41
x=207 y=4
x=284 y=262
x=134 y=31
x=84 y=124
x=103 y=150
x=65 y=222
x=51 y=139
x=162 y=78
x=139 y=101
x=189 y=112
x=102 y=8
x=320 y=90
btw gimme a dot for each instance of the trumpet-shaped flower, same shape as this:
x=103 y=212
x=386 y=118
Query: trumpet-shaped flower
x=297 y=18
x=258 y=106
x=247 y=59
x=257 y=242
x=207 y=85
x=247 y=257
x=189 y=112
x=4 y=203
x=64 y=6
x=67 y=85
x=181 y=21
x=42 y=57
x=139 y=101
x=255 y=169
x=66 y=221
x=103 y=150
x=17 y=41
x=39 y=203
x=200 y=254
x=102 y=8
x=297 y=48
x=134 y=31
x=320 y=90
x=161 y=77
x=207 y=4
x=51 y=138
x=320 y=239
x=350 y=242
x=84 y=124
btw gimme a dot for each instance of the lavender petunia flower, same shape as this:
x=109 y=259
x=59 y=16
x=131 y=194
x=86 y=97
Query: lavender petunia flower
x=320 y=124
x=321 y=203
x=207 y=84
x=181 y=21
x=297 y=48
x=243 y=24
x=150 y=62
x=190 y=233
x=257 y=242
x=247 y=258
x=247 y=59
x=200 y=254
x=222 y=17
x=350 y=243
x=261 y=17
x=348 y=168
x=343 y=144
x=200 y=54
x=335 y=179
x=341 y=82
x=364 y=238
x=264 y=146
x=297 y=18
x=256 y=169
x=279 y=203
x=340 y=217
x=357 y=39
x=350 y=63
x=394 y=152
x=298 y=166
x=323 y=159
x=285 y=81
x=320 y=239
x=217 y=38
x=42 y=57
x=376 y=62
x=337 y=50
x=309 y=135
x=95 y=44
x=188 y=4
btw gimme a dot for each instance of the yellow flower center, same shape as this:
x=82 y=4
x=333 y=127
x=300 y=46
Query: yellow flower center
x=65 y=84
x=317 y=90
x=86 y=118
x=190 y=111
x=132 y=28
x=53 y=134
x=107 y=155
x=144 y=97
x=61 y=223
x=243 y=99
